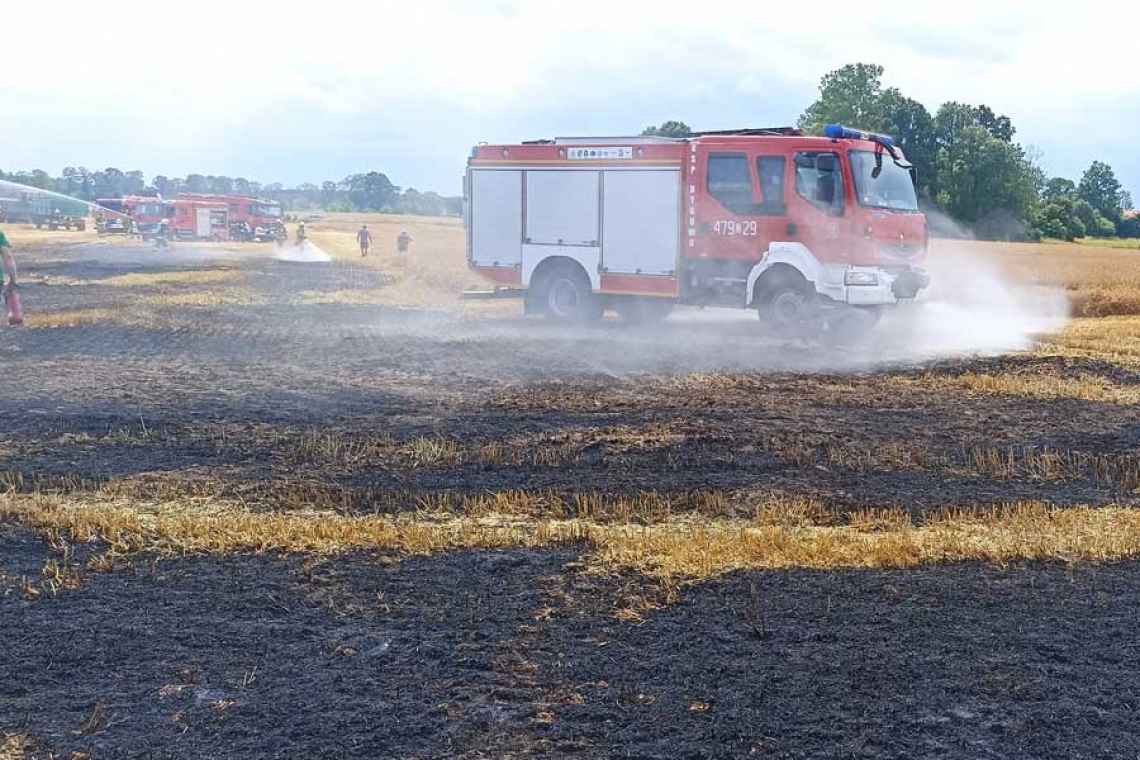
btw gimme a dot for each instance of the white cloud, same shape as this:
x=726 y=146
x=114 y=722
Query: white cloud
x=187 y=86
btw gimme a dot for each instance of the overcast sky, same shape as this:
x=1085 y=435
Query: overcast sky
x=307 y=92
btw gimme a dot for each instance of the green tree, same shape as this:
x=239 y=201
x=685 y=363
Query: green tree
x=911 y=125
x=851 y=95
x=949 y=122
x=35 y=178
x=196 y=183
x=1057 y=218
x=133 y=182
x=1101 y=189
x=329 y=193
x=668 y=129
x=1102 y=227
x=1084 y=211
x=953 y=117
x=979 y=175
x=110 y=183
x=999 y=126
x=1077 y=228
x=372 y=191
x=1052 y=224
x=220 y=185
x=1059 y=187
x=74 y=181
x=854 y=96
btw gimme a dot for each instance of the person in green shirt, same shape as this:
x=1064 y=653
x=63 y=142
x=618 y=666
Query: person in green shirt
x=8 y=261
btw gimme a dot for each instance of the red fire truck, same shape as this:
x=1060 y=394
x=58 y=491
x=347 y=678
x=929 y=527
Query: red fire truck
x=199 y=219
x=813 y=232
x=249 y=218
x=144 y=211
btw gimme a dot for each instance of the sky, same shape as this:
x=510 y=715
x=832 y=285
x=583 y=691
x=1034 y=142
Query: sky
x=307 y=92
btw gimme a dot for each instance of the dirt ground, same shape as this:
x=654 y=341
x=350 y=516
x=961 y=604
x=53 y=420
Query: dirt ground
x=216 y=372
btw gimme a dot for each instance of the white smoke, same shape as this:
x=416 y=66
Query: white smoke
x=971 y=307
x=305 y=253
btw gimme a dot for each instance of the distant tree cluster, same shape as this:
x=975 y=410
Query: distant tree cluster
x=367 y=191
x=1093 y=207
x=968 y=167
x=668 y=129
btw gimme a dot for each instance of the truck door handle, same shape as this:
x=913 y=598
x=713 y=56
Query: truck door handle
x=792 y=228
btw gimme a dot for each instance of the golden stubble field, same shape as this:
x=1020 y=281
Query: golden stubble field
x=1099 y=280
x=1102 y=285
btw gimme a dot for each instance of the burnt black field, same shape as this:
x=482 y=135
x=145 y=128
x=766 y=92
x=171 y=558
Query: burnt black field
x=520 y=653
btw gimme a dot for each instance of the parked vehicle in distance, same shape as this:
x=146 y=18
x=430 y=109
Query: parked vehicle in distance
x=45 y=211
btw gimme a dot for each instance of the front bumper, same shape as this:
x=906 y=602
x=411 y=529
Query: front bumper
x=876 y=286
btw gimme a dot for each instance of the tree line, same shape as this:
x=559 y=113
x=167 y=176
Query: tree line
x=969 y=168
x=367 y=191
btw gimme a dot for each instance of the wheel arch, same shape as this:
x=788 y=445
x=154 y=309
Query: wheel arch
x=782 y=260
x=550 y=264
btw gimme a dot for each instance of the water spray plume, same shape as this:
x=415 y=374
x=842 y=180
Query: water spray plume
x=7 y=186
x=304 y=253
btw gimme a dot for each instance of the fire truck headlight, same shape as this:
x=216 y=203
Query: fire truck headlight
x=853 y=277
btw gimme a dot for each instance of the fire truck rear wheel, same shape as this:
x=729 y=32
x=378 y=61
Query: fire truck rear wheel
x=565 y=295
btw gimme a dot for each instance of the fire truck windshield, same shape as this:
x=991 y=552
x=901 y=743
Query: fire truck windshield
x=881 y=183
x=148 y=209
x=265 y=210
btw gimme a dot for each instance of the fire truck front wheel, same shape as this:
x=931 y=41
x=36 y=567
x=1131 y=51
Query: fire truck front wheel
x=563 y=293
x=787 y=305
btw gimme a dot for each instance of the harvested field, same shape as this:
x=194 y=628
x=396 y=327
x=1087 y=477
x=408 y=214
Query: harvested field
x=259 y=509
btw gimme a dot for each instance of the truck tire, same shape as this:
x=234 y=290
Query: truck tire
x=643 y=311
x=564 y=295
x=787 y=306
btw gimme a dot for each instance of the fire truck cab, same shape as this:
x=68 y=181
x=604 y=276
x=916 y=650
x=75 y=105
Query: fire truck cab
x=145 y=212
x=803 y=229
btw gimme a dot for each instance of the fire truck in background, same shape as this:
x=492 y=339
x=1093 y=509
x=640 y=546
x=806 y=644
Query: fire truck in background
x=145 y=212
x=248 y=218
x=199 y=219
x=818 y=234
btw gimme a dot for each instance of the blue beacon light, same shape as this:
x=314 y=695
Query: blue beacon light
x=840 y=132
